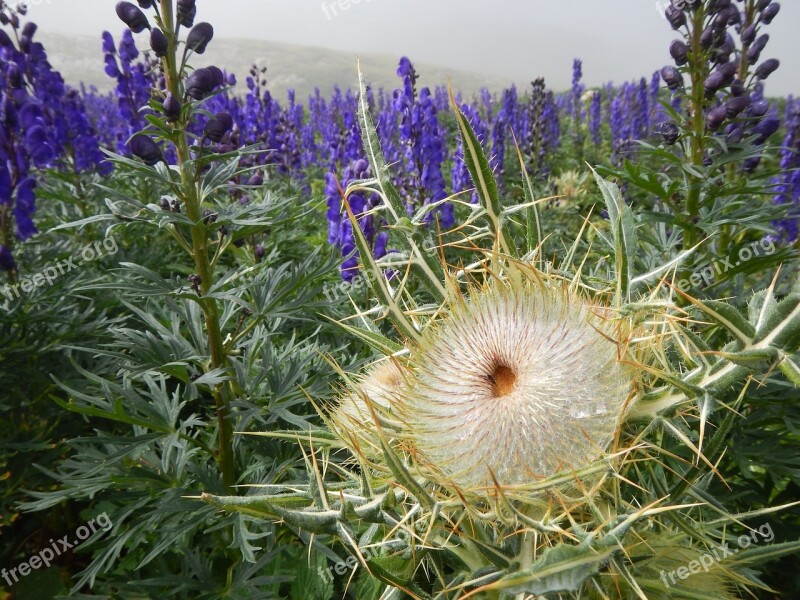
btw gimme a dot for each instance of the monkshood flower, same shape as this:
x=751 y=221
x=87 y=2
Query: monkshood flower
x=387 y=124
x=353 y=149
x=731 y=100
x=135 y=80
x=340 y=231
x=788 y=184
x=596 y=118
x=576 y=108
x=287 y=138
x=42 y=124
x=658 y=113
x=552 y=122
x=535 y=131
x=641 y=116
x=421 y=137
x=333 y=134
x=498 y=145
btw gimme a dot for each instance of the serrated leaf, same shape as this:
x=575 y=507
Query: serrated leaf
x=562 y=568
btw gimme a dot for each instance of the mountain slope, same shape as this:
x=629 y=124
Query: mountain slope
x=80 y=59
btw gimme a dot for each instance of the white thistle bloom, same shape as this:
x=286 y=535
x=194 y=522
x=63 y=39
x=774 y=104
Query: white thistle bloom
x=380 y=384
x=519 y=381
x=378 y=390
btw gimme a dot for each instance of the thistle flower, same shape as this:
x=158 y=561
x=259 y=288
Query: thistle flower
x=519 y=383
x=377 y=390
x=380 y=386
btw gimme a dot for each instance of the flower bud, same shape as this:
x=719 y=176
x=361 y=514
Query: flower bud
x=759 y=108
x=716 y=117
x=203 y=81
x=735 y=134
x=737 y=88
x=670 y=132
x=768 y=67
x=186 y=12
x=259 y=251
x=145 y=3
x=729 y=71
x=754 y=51
x=172 y=107
x=766 y=128
x=159 y=42
x=218 y=126
x=707 y=38
x=676 y=17
x=735 y=106
x=132 y=16
x=14 y=76
x=749 y=34
x=29 y=30
x=679 y=51
x=5 y=41
x=199 y=37
x=762 y=4
x=256 y=180
x=672 y=77
x=714 y=82
x=751 y=164
x=770 y=12
x=146 y=149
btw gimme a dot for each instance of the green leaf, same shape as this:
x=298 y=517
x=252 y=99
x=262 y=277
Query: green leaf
x=378 y=281
x=481 y=174
x=375 y=340
x=562 y=568
x=313 y=581
x=623 y=226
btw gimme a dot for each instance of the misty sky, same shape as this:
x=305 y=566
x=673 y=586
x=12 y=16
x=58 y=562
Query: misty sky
x=517 y=39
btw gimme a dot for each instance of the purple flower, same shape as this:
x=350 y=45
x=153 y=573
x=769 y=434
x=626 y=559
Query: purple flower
x=199 y=37
x=132 y=16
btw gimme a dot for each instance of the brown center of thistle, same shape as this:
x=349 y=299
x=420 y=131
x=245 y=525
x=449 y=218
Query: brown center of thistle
x=503 y=380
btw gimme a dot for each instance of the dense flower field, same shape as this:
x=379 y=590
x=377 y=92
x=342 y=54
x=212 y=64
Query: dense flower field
x=398 y=343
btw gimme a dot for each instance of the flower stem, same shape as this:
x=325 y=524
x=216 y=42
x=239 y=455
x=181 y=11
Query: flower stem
x=199 y=245
x=697 y=116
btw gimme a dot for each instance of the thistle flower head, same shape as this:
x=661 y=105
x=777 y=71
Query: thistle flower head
x=377 y=390
x=519 y=382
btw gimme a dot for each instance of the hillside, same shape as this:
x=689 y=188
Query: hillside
x=79 y=58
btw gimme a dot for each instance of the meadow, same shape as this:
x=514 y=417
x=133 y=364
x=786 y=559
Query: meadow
x=398 y=342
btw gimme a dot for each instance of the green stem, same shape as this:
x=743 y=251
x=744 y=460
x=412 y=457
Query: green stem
x=199 y=238
x=8 y=238
x=698 y=72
